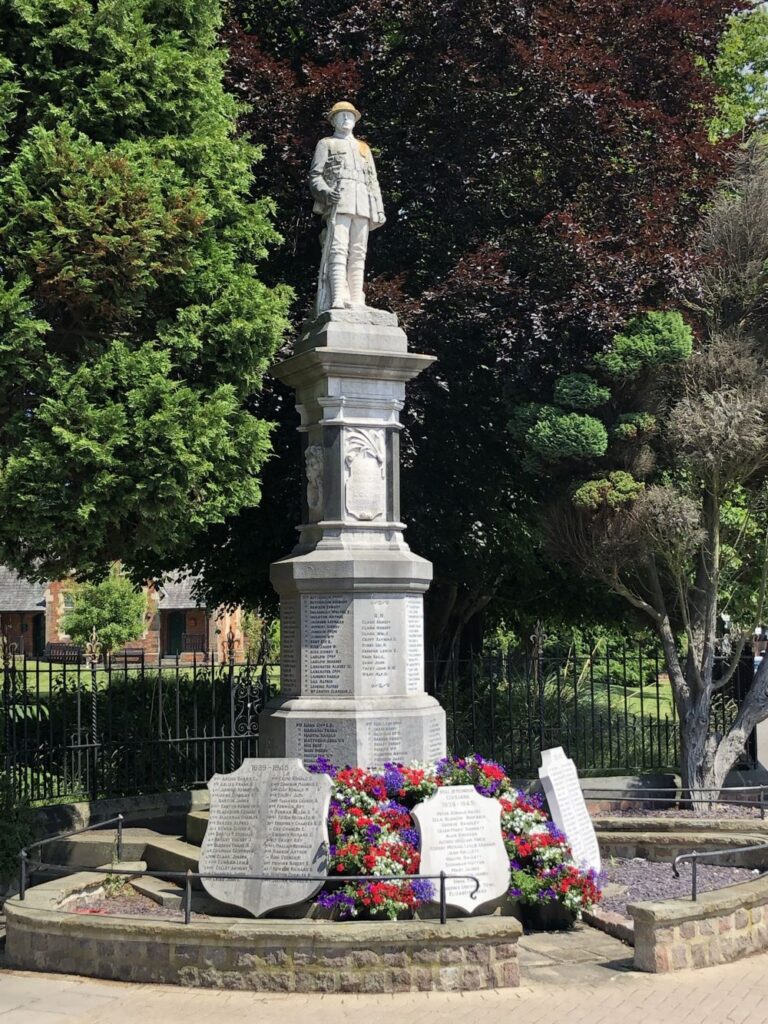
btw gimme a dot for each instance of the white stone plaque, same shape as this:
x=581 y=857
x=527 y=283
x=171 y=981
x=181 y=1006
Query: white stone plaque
x=326 y=645
x=566 y=805
x=267 y=818
x=365 y=474
x=461 y=834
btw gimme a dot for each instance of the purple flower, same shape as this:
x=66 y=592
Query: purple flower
x=423 y=889
x=372 y=832
x=514 y=891
x=394 y=779
x=410 y=836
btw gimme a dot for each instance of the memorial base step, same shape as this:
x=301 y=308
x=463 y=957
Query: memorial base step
x=168 y=853
x=197 y=823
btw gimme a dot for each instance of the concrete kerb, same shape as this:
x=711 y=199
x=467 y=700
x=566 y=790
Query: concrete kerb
x=261 y=955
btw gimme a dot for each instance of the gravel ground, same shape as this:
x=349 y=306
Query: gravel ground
x=649 y=880
x=127 y=902
x=715 y=811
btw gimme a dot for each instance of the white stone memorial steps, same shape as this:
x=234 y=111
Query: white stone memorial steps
x=167 y=853
x=197 y=824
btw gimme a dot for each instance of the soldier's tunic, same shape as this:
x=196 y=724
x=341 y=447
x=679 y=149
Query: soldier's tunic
x=346 y=164
x=349 y=164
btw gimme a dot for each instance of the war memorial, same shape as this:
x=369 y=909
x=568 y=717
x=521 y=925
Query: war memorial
x=354 y=854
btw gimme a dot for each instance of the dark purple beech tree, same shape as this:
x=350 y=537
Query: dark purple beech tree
x=543 y=167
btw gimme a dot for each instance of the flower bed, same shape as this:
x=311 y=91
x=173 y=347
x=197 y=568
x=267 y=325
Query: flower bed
x=372 y=832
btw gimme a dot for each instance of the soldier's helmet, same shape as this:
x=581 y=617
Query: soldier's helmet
x=337 y=108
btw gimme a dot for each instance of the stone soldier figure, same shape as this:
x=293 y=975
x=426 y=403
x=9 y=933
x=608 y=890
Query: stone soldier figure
x=347 y=195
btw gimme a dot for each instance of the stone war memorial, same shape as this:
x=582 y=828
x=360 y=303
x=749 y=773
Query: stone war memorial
x=351 y=592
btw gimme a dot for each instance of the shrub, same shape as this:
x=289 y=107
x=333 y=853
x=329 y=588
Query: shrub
x=15 y=831
x=580 y=391
x=649 y=340
x=567 y=435
x=609 y=492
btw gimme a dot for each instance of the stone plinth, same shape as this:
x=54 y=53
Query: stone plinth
x=351 y=592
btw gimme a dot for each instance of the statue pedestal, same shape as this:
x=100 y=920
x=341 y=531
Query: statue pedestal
x=351 y=593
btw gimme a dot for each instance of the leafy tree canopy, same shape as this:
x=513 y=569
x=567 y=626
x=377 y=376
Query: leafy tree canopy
x=134 y=329
x=740 y=72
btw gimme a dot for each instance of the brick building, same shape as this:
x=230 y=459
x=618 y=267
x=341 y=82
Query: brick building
x=176 y=623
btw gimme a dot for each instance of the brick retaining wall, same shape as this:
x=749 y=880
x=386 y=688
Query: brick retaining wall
x=720 y=926
x=262 y=955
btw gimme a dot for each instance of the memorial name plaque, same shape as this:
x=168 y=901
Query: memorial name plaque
x=321 y=737
x=326 y=643
x=414 y=643
x=566 y=805
x=289 y=647
x=267 y=818
x=461 y=834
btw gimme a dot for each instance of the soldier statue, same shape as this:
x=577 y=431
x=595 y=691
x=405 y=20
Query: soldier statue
x=347 y=196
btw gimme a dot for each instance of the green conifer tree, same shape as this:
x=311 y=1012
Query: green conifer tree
x=134 y=330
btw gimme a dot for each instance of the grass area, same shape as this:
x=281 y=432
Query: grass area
x=41 y=675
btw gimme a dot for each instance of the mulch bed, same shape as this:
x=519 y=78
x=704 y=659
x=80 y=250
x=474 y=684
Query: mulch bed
x=127 y=903
x=715 y=811
x=651 y=880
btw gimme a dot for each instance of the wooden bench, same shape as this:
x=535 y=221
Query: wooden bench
x=63 y=654
x=128 y=656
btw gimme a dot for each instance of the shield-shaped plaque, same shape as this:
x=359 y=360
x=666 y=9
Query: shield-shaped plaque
x=461 y=835
x=267 y=818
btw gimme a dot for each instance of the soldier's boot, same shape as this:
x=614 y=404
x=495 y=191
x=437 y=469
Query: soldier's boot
x=338 y=277
x=356 y=293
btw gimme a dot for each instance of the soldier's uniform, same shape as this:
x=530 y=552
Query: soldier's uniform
x=346 y=164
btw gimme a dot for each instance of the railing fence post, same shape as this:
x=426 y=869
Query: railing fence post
x=188 y=897
x=119 y=838
x=694 y=878
x=22 y=874
x=443 y=912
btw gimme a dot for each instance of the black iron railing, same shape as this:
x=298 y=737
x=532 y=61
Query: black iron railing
x=189 y=876
x=695 y=856
x=130 y=726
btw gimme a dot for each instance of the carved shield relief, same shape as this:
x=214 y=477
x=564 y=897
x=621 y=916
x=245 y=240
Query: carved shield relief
x=365 y=474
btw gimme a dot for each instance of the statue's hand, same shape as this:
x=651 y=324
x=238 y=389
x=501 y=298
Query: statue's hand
x=334 y=194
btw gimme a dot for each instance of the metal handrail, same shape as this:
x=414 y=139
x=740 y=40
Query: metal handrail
x=188 y=875
x=118 y=820
x=695 y=856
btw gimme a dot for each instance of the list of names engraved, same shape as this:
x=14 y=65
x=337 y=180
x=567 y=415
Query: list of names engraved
x=461 y=835
x=414 y=643
x=326 y=644
x=289 y=675
x=323 y=738
x=378 y=643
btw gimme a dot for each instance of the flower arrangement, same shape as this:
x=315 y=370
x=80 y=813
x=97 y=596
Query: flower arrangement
x=372 y=833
